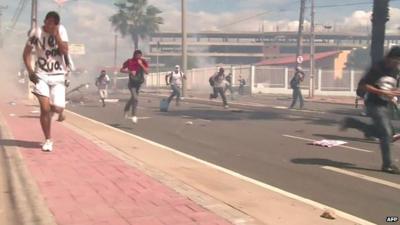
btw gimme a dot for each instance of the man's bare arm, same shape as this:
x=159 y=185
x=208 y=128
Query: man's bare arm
x=62 y=45
x=27 y=57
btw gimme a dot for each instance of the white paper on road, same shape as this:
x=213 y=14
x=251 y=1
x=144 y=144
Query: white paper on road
x=329 y=143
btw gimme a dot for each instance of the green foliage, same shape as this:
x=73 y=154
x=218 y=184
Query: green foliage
x=137 y=19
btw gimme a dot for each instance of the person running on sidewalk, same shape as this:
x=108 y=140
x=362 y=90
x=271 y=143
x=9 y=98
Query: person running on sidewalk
x=49 y=44
x=298 y=77
x=228 y=85
x=175 y=79
x=218 y=86
x=136 y=67
x=381 y=84
x=102 y=82
x=242 y=83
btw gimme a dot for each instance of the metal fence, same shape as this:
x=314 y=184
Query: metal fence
x=263 y=79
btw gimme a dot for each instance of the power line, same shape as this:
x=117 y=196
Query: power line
x=287 y=10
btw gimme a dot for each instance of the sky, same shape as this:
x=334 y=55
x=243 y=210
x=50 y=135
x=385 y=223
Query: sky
x=87 y=20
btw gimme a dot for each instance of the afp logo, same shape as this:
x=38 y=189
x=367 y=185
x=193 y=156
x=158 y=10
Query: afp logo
x=392 y=219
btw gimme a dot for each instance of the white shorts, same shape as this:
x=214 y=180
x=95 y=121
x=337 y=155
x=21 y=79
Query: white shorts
x=103 y=93
x=53 y=87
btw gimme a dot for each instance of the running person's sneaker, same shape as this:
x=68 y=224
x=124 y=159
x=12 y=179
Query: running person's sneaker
x=47 y=146
x=134 y=119
x=391 y=169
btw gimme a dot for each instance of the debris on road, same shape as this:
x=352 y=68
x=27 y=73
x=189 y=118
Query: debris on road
x=12 y=114
x=189 y=123
x=35 y=112
x=328 y=143
x=13 y=103
x=328 y=214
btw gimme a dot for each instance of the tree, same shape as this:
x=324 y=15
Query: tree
x=380 y=15
x=137 y=19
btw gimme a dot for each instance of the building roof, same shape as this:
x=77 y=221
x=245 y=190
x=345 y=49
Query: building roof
x=292 y=59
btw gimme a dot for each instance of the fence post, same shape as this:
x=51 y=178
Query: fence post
x=352 y=81
x=319 y=80
x=286 y=78
x=252 y=78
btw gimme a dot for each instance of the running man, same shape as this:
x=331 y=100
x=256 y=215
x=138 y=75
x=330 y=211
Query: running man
x=380 y=83
x=102 y=83
x=136 y=67
x=218 y=86
x=175 y=79
x=50 y=43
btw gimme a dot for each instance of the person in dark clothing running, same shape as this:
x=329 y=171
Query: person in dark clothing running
x=229 y=85
x=298 y=77
x=136 y=67
x=218 y=86
x=380 y=82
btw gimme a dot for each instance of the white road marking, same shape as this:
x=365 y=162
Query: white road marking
x=239 y=176
x=204 y=120
x=364 y=177
x=340 y=146
x=280 y=107
x=112 y=100
x=144 y=118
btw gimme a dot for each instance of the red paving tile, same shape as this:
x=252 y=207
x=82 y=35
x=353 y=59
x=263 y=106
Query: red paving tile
x=84 y=185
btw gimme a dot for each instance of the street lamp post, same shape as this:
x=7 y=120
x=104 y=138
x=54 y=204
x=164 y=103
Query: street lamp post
x=312 y=52
x=184 y=46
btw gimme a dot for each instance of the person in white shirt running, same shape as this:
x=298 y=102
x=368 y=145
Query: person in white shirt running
x=50 y=45
x=175 y=79
x=102 y=83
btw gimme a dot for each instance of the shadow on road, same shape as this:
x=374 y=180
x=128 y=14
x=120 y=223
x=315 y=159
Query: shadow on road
x=19 y=143
x=328 y=162
x=119 y=126
x=30 y=117
x=239 y=114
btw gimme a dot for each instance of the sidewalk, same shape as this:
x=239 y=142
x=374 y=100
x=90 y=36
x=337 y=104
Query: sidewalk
x=83 y=184
x=101 y=176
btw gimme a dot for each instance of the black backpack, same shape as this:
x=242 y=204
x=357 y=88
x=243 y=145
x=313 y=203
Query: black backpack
x=211 y=81
x=360 y=91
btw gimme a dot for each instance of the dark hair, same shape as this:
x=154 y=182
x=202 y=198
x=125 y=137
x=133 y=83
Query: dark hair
x=137 y=51
x=394 y=52
x=221 y=70
x=54 y=15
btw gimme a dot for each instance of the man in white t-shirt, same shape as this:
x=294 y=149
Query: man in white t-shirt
x=175 y=79
x=50 y=45
x=102 y=83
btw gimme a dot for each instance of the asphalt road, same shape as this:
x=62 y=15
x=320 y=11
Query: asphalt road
x=272 y=145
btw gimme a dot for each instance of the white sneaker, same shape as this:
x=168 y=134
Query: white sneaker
x=134 y=119
x=47 y=146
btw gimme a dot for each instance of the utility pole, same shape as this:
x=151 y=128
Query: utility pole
x=34 y=15
x=300 y=34
x=1 y=28
x=115 y=60
x=34 y=25
x=312 y=51
x=184 y=47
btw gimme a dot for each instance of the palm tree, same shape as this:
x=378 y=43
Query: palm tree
x=380 y=15
x=137 y=19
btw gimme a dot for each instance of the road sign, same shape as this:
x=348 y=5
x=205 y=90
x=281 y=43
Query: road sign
x=299 y=59
x=76 y=49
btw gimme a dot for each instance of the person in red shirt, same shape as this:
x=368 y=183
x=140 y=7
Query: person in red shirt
x=136 y=67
